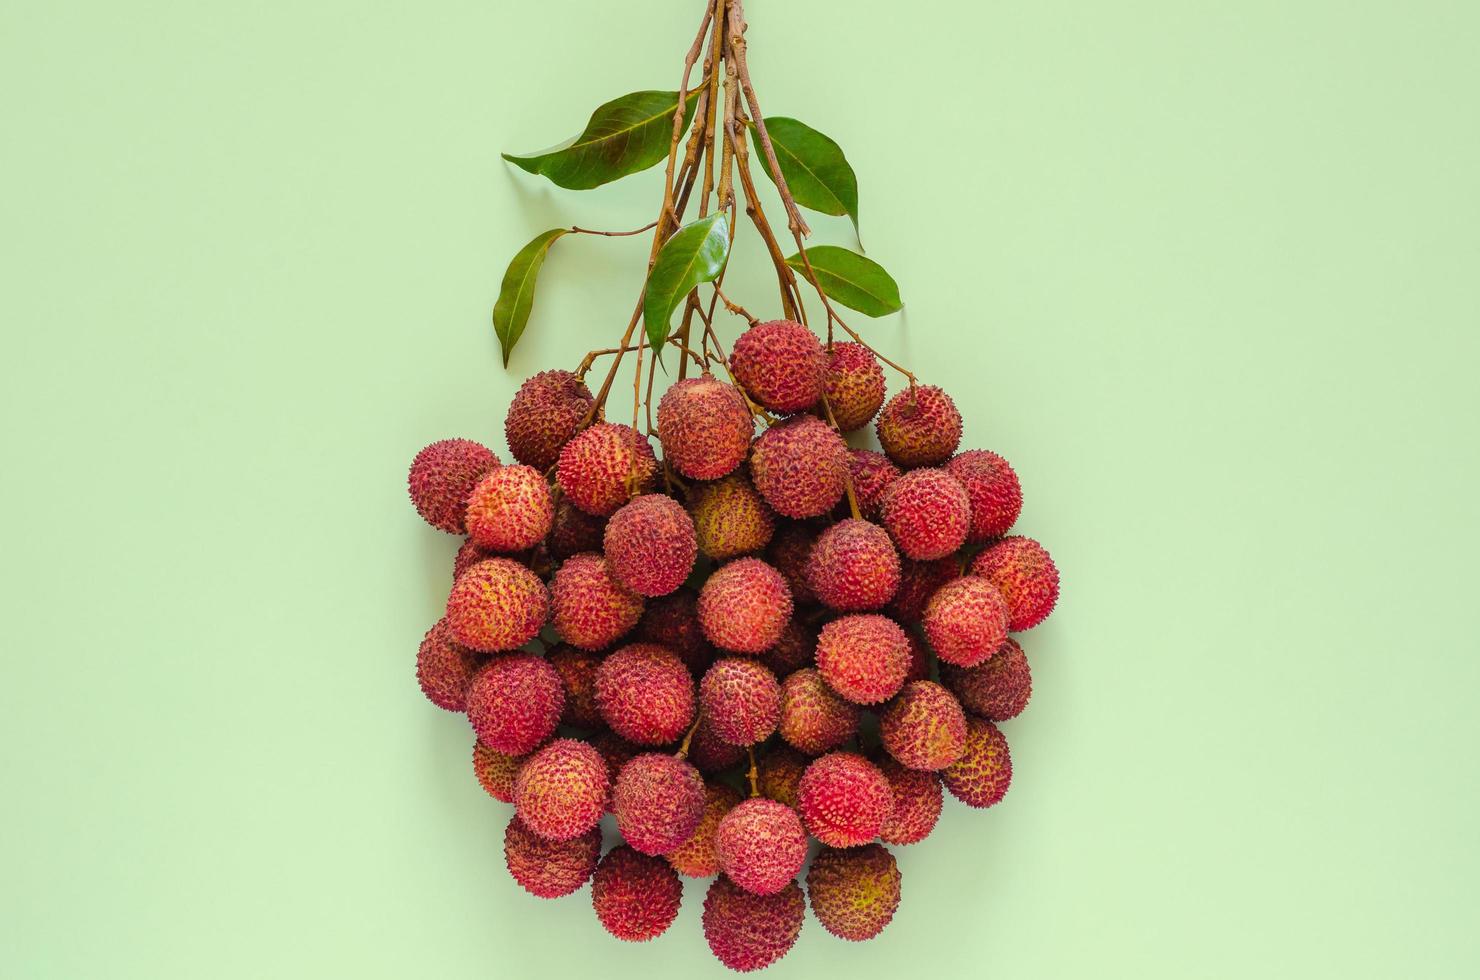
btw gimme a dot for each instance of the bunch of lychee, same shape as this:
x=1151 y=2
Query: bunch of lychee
x=751 y=643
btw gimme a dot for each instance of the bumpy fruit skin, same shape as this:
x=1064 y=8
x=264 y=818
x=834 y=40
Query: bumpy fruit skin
x=636 y=897
x=697 y=857
x=924 y=728
x=782 y=364
x=918 y=581
x=1027 y=576
x=744 y=606
x=998 y=688
x=444 y=668
x=673 y=621
x=996 y=496
x=544 y=415
x=762 y=845
x=919 y=669
x=704 y=427
x=645 y=693
x=981 y=776
x=871 y=473
x=780 y=775
x=617 y=752
x=917 y=803
x=510 y=510
x=658 y=800
x=515 y=702
x=788 y=553
x=650 y=545
x=592 y=610
x=468 y=555
x=442 y=477
x=966 y=621
x=547 y=868
x=575 y=531
x=709 y=753
x=863 y=657
x=497 y=605
x=604 y=466
x=844 y=799
x=813 y=718
x=577 y=670
x=731 y=518
x=855 y=385
x=919 y=427
x=853 y=566
x=496 y=772
x=561 y=790
x=855 y=892
x=793 y=651
x=800 y=466
x=749 y=932
x=927 y=513
x=741 y=699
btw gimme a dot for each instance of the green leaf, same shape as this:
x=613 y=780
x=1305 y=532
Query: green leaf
x=696 y=253
x=516 y=295
x=857 y=282
x=623 y=137
x=814 y=167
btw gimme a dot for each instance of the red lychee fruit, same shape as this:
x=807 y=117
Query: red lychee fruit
x=854 y=386
x=697 y=857
x=515 y=702
x=650 y=545
x=1027 y=576
x=924 y=728
x=918 y=581
x=442 y=477
x=741 y=700
x=800 y=466
x=574 y=531
x=793 y=651
x=853 y=566
x=543 y=416
x=444 y=668
x=496 y=771
x=748 y=932
x=965 y=621
x=981 y=776
x=871 y=473
x=577 y=670
x=813 y=718
x=788 y=553
x=919 y=427
x=744 y=606
x=546 y=868
x=603 y=467
x=854 y=892
x=659 y=800
x=996 y=689
x=616 y=751
x=844 y=799
x=673 y=621
x=731 y=518
x=645 y=693
x=561 y=790
x=996 y=496
x=919 y=669
x=927 y=513
x=709 y=753
x=497 y=605
x=510 y=510
x=863 y=657
x=917 y=803
x=592 y=610
x=779 y=775
x=636 y=897
x=782 y=364
x=705 y=427
x=761 y=845
x=468 y=555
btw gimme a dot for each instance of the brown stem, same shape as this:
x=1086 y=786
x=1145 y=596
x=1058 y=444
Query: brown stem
x=737 y=45
x=734 y=308
x=790 y=297
x=752 y=775
x=683 y=748
x=832 y=420
x=614 y=234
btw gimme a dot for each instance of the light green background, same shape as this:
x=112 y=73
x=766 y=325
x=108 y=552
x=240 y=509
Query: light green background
x=1208 y=273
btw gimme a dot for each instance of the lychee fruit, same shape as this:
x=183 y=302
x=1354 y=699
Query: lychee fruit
x=788 y=553
x=443 y=476
x=510 y=510
x=704 y=427
x=591 y=609
x=645 y=693
x=813 y=718
x=965 y=621
x=982 y=775
x=854 y=892
x=708 y=752
x=920 y=426
x=741 y=700
x=918 y=581
x=603 y=467
x=761 y=845
x=731 y=518
x=574 y=531
x=927 y=513
x=744 y=606
x=673 y=621
x=779 y=774
x=924 y=728
x=854 y=385
x=781 y=364
x=919 y=669
x=497 y=605
x=800 y=466
x=468 y=555
x=917 y=803
x=853 y=566
x=992 y=485
x=515 y=702
x=543 y=416
x=547 y=868
x=793 y=651
x=444 y=668
x=560 y=791
x=1027 y=576
x=863 y=657
x=697 y=857
x=871 y=473
x=496 y=771
x=577 y=670
x=996 y=689
x=636 y=897
x=650 y=545
x=748 y=932
x=616 y=752
x=844 y=799
x=658 y=800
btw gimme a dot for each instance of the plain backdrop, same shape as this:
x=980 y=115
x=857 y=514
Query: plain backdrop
x=1207 y=273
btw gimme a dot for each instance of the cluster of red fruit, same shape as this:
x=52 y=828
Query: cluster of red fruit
x=744 y=638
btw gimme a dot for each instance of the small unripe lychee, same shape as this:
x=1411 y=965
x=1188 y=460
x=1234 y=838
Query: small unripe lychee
x=591 y=609
x=1022 y=569
x=497 y=605
x=800 y=466
x=731 y=518
x=855 y=385
x=645 y=693
x=863 y=657
x=705 y=427
x=659 y=800
x=919 y=427
x=544 y=415
x=871 y=473
x=650 y=544
x=996 y=689
x=444 y=668
x=749 y=932
x=442 y=477
x=510 y=510
x=697 y=857
x=546 y=868
x=560 y=791
x=844 y=799
x=636 y=896
x=741 y=700
x=924 y=728
x=981 y=776
x=965 y=621
x=813 y=718
x=515 y=703
x=996 y=496
x=744 y=606
x=917 y=803
x=853 y=566
x=761 y=845
x=603 y=467
x=927 y=513
x=782 y=364
x=854 y=892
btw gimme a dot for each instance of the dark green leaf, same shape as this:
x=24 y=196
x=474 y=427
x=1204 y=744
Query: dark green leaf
x=857 y=282
x=696 y=253
x=516 y=295
x=814 y=167
x=623 y=137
